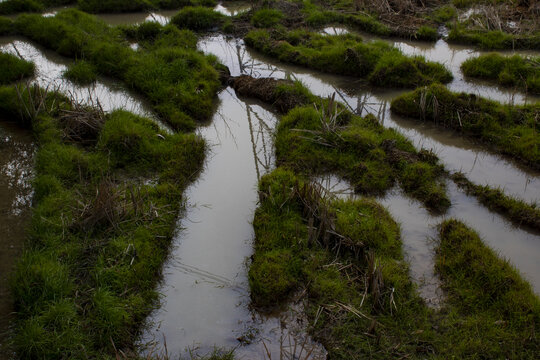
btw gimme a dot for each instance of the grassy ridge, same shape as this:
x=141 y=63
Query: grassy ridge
x=380 y=63
x=511 y=130
x=319 y=136
x=108 y=190
x=13 y=68
x=366 y=276
x=492 y=310
x=516 y=70
x=16 y=6
x=520 y=212
x=177 y=79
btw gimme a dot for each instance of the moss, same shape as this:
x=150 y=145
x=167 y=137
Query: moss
x=13 y=68
x=518 y=211
x=198 y=18
x=516 y=70
x=115 y=6
x=99 y=235
x=81 y=72
x=444 y=14
x=508 y=129
x=347 y=55
x=265 y=18
x=493 y=310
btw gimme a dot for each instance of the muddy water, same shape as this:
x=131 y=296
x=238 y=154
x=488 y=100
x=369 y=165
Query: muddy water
x=205 y=289
x=16 y=160
x=457 y=153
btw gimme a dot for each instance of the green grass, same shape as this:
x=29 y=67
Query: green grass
x=265 y=18
x=198 y=18
x=99 y=232
x=493 y=40
x=493 y=312
x=116 y=6
x=507 y=129
x=179 y=81
x=378 y=62
x=6 y=26
x=81 y=72
x=518 y=211
x=13 y=68
x=510 y=71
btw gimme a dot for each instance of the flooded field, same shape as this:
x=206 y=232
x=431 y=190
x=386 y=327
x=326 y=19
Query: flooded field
x=205 y=296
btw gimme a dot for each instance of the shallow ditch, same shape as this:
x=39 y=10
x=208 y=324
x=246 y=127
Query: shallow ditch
x=16 y=164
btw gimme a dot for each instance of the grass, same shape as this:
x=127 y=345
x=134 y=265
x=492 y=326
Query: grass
x=179 y=81
x=380 y=63
x=510 y=71
x=81 y=72
x=518 y=211
x=507 y=129
x=493 y=39
x=13 y=68
x=266 y=18
x=116 y=6
x=198 y=18
x=317 y=136
x=99 y=232
x=493 y=311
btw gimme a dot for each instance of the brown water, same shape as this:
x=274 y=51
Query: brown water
x=205 y=288
x=17 y=154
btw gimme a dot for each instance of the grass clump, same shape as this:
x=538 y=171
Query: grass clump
x=6 y=26
x=8 y=7
x=508 y=129
x=198 y=18
x=179 y=81
x=380 y=63
x=493 y=311
x=518 y=211
x=265 y=18
x=516 y=70
x=81 y=72
x=13 y=68
x=100 y=231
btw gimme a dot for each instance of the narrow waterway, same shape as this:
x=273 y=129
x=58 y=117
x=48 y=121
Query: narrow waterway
x=16 y=163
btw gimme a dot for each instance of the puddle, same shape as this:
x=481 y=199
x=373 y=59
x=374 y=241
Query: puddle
x=456 y=152
x=17 y=149
x=233 y=8
x=205 y=287
x=418 y=230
